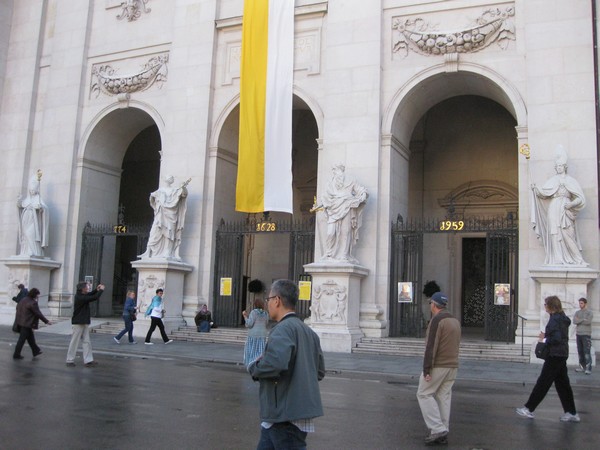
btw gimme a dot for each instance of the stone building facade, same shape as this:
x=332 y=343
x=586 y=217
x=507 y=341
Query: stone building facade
x=431 y=105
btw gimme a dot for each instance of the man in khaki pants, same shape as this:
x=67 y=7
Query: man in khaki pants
x=440 y=365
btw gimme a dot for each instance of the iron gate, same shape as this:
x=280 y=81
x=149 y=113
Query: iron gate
x=92 y=249
x=406 y=265
x=229 y=257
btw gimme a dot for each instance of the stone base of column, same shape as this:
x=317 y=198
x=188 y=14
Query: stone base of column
x=336 y=303
x=567 y=283
x=167 y=275
x=32 y=272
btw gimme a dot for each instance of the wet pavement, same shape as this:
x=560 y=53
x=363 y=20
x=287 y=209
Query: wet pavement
x=193 y=395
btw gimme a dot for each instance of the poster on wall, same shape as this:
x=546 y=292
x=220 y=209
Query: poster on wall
x=225 y=290
x=502 y=294
x=305 y=290
x=405 y=292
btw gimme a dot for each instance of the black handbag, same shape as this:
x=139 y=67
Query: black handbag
x=133 y=316
x=541 y=350
x=16 y=327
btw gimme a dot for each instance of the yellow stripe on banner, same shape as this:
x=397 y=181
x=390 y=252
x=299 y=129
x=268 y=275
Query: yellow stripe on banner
x=253 y=82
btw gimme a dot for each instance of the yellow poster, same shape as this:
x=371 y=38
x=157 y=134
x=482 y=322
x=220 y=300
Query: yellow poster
x=305 y=288
x=226 y=287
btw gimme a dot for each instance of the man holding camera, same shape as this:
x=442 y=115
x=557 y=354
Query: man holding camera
x=81 y=324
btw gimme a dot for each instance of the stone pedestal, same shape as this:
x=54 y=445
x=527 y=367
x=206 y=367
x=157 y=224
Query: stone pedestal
x=154 y=273
x=569 y=284
x=32 y=272
x=335 y=305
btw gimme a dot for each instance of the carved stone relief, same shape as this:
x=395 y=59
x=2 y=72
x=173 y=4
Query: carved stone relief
x=423 y=37
x=329 y=303
x=147 y=289
x=132 y=9
x=14 y=279
x=105 y=80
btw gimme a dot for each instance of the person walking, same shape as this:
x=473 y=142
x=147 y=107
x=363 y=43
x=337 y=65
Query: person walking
x=22 y=293
x=289 y=372
x=129 y=311
x=554 y=370
x=256 y=322
x=440 y=366
x=156 y=312
x=583 y=320
x=28 y=317
x=81 y=323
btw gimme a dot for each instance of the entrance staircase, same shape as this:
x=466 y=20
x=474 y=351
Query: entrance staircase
x=470 y=349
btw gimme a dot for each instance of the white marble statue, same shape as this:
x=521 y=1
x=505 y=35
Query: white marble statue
x=554 y=211
x=33 y=220
x=342 y=204
x=169 y=204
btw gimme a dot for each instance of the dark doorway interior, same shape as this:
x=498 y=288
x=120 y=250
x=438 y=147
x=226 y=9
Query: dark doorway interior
x=473 y=284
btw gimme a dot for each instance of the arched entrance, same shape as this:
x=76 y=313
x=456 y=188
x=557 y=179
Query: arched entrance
x=244 y=253
x=459 y=153
x=120 y=167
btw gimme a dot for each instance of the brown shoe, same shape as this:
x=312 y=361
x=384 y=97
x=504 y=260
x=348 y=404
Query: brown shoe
x=91 y=364
x=70 y=364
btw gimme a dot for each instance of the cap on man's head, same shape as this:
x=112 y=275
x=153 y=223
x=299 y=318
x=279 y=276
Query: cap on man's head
x=440 y=298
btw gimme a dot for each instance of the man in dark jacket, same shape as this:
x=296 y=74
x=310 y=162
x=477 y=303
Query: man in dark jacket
x=81 y=324
x=289 y=373
x=28 y=317
x=22 y=293
x=440 y=365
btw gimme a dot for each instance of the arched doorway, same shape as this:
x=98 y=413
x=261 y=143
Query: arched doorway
x=243 y=252
x=457 y=131
x=120 y=167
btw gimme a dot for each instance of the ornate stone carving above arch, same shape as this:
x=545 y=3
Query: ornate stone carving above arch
x=482 y=196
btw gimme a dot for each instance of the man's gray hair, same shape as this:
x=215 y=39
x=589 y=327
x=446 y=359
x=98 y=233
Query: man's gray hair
x=287 y=290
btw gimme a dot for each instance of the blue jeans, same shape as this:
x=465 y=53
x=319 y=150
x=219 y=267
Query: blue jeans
x=128 y=328
x=584 y=350
x=282 y=436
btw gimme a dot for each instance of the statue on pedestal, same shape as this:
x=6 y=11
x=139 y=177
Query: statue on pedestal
x=342 y=204
x=33 y=220
x=554 y=211
x=169 y=204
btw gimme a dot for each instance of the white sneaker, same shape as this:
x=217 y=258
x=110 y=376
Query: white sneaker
x=169 y=341
x=588 y=372
x=568 y=417
x=149 y=343
x=579 y=368
x=524 y=412
x=116 y=340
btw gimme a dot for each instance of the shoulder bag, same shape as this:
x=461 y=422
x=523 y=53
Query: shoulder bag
x=541 y=350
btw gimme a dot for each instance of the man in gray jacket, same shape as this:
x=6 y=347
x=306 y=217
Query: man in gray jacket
x=583 y=320
x=289 y=373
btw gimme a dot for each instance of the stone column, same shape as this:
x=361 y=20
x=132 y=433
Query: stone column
x=32 y=272
x=336 y=304
x=567 y=283
x=165 y=274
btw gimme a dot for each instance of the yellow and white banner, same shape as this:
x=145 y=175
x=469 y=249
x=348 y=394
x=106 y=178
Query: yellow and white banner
x=264 y=178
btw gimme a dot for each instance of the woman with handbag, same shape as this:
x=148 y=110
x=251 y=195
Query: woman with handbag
x=156 y=311
x=129 y=316
x=556 y=337
x=27 y=320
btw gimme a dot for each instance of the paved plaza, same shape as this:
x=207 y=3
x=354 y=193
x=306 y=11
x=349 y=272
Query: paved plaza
x=193 y=395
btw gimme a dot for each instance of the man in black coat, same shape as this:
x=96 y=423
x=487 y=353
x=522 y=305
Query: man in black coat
x=28 y=317
x=81 y=324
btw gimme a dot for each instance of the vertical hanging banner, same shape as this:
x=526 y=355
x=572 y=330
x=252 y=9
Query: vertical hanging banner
x=264 y=178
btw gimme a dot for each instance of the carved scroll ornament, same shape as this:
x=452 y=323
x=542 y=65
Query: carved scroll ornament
x=104 y=78
x=329 y=302
x=421 y=37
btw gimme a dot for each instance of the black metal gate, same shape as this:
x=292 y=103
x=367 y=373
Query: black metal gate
x=406 y=266
x=229 y=263
x=92 y=250
x=501 y=267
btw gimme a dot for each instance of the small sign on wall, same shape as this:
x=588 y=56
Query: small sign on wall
x=225 y=290
x=305 y=290
x=405 y=292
